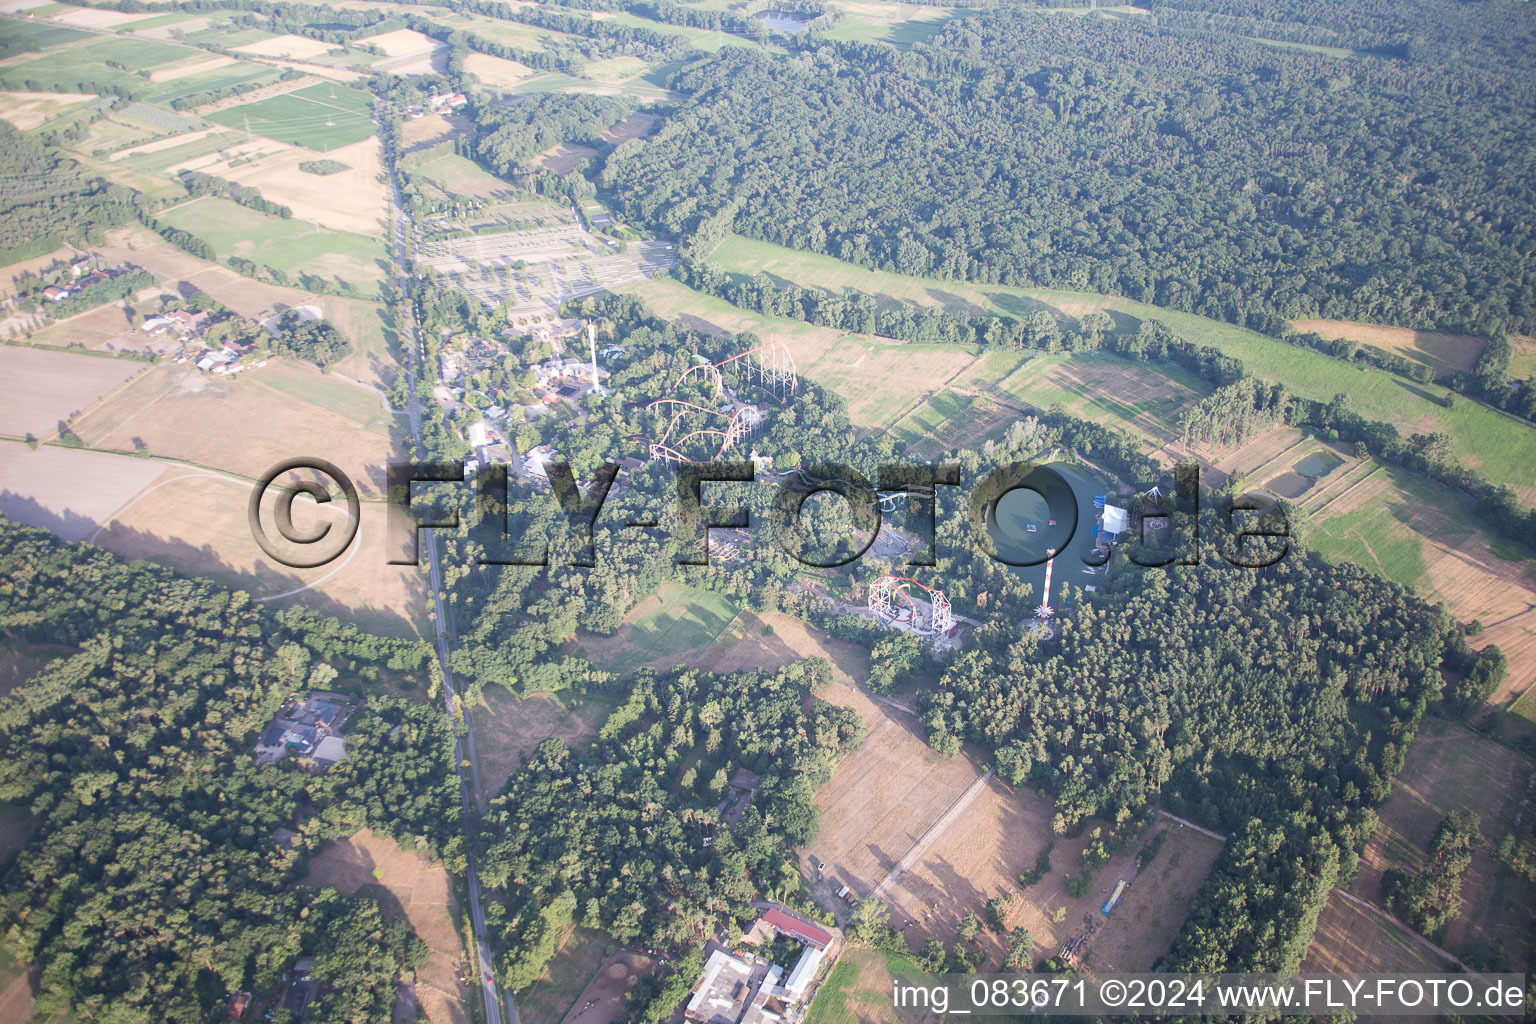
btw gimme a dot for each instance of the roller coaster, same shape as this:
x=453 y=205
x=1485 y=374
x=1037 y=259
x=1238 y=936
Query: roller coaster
x=770 y=367
x=892 y=605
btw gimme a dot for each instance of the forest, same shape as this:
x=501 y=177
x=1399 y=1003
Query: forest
x=46 y=200
x=626 y=837
x=1207 y=174
x=152 y=885
x=1274 y=705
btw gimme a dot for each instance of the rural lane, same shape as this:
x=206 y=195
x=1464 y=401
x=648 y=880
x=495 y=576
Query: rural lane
x=465 y=748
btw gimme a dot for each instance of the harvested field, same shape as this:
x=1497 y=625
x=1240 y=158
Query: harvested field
x=160 y=145
x=296 y=47
x=430 y=129
x=1350 y=939
x=1426 y=537
x=401 y=42
x=563 y=158
x=1145 y=399
x=508 y=728
x=197 y=523
x=883 y=797
x=96 y=17
x=46 y=487
x=235 y=425
x=47 y=388
x=352 y=200
x=27 y=110
x=105 y=328
x=1449 y=768
x=1445 y=352
x=602 y=1001
x=422 y=893
x=981 y=854
x=497 y=71
x=635 y=126
x=749 y=647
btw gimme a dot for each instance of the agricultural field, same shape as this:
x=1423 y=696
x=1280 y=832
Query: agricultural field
x=1351 y=939
x=42 y=487
x=508 y=728
x=1450 y=768
x=662 y=628
x=1446 y=353
x=883 y=797
x=1497 y=445
x=873 y=374
x=152 y=416
x=27 y=110
x=421 y=891
x=354 y=262
x=197 y=522
x=51 y=388
x=321 y=117
x=858 y=988
x=1144 y=399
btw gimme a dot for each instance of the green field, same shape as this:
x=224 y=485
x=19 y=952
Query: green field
x=677 y=619
x=858 y=988
x=898 y=24
x=82 y=66
x=304 y=382
x=292 y=246
x=1495 y=444
x=319 y=117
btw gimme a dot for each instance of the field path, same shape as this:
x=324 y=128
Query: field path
x=1370 y=908
x=933 y=833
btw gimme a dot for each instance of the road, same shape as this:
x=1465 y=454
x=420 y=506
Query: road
x=464 y=750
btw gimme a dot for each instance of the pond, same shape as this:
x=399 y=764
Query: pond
x=1290 y=485
x=1318 y=464
x=782 y=21
x=1009 y=522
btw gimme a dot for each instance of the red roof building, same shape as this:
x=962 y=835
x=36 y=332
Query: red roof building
x=797 y=929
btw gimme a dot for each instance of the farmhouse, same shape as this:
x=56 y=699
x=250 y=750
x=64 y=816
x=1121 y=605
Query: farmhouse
x=53 y=293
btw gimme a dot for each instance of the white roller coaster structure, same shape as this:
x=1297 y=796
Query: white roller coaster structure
x=892 y=605
x=770 y=367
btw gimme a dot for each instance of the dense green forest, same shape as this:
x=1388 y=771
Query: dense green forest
x=625 y=837
x=1275 y=705
x=152 y=884
x=1198 y=172
x=46 y=200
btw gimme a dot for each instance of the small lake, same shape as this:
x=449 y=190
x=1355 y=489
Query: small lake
x=782 y=21
x=1008 y=526
x=1318 y=464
